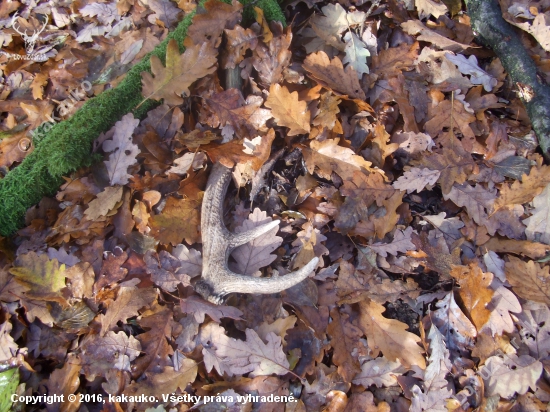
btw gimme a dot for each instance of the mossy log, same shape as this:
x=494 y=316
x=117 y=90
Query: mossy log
x=67 y=146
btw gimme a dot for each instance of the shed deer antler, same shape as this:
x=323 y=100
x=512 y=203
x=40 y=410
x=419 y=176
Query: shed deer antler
x=218 y=243
x=30 y=41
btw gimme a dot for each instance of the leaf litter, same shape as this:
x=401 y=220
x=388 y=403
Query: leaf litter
x=407 y=166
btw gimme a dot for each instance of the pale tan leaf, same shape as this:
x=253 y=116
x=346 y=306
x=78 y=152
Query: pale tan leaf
x=538 y=224
x=124 y=151
x=417 y=178
x=510 y=375
x=288 y=110
x=104 y=202
x=327 y=157
x=237 y=357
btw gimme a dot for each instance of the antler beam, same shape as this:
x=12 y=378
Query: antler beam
x=218 y=243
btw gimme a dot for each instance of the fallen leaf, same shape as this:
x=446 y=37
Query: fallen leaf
x=104 y=203
x=474 y=291
x=401 y=243
x=332 y=75
x=417 y=178
x=380 y=372
x=179 y=220
x=288 y=110
x=510 y=375
x=234 y=356
x=389 y=336
x=124 y=151
x=180 y=72
x=529 y=280
x=256 y=254
x=538 y=224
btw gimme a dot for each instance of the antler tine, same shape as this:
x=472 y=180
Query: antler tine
x=218 y=243
x=15 y=28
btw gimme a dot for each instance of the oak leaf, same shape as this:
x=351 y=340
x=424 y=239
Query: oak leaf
x=511 y=374
x=477 y=201
x=523 y=191
x=504 y=302
x=200 y=308
x=332 y=75
x=389 y=336
x=328 y=111
x=288 y=110
x=180 y=72
x=128 y=302
x=430 y=7
x=180 y=219
x=533 y=250
x=454 y=166
x=474 y=291
x=229 y=108
x=271 y=61
x=114 y=350
x=417 y=178
x=343 y=339
x=239 y=40
x=458 y=330
x=356 y=54
x=124 y=151
x=529 y=280
x=538 y=224
x=393 y=61
x=380 y=372
x=207 y=27
x=169 y=270
x=250 y=257
x=237 y=357
x=328 y=157
x=334 y=22
x=401 y=243
x=43 y=277
x=470 y=67
x=105 y=202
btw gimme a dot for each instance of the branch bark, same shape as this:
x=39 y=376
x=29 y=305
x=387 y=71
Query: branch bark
x=491 y=28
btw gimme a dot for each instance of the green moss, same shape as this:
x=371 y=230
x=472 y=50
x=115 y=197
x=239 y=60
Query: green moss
x=67 y=145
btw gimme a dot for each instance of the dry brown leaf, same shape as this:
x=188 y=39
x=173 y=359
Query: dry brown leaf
x=271 y=62
x=393 y=61
x=511 y=374
x=343 y=339
x=332 y=75
x=105 y=202
x=239 y=40
x=179 y=220
x=128 y=302
x=246 y=117
x=207 y=27
x=327 y=157
x=288 y=110
x=525 y=190
x=454 y=166
x=415 y=27
x=180 y=72
x=533 y=250
x=389 y=336
x=474 y=291
x=529 y=280
x=230 y=154
x=458 y=330
x=124 y=151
